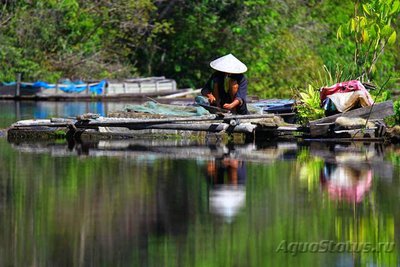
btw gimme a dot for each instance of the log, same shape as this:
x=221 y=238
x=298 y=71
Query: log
x=376 y=111
x=43 y=122
x=208 y=127
x=181 y=94
x=129 y=122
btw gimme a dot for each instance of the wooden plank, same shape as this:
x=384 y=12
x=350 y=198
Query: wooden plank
x=208 y=127
x=377 y=111
x=129 y=122
x=18 y=87
x=182 y=93
x=8 y=90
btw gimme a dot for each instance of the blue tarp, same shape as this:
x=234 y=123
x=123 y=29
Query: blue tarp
x=8 y=84
x=276 y=105
x=73 y=87
x=66 y=86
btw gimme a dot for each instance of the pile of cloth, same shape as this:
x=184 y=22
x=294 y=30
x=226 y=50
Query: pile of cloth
x=345 y=96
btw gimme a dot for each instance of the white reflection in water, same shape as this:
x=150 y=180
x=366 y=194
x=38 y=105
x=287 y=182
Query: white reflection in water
x=227 y=200
x=227 y=177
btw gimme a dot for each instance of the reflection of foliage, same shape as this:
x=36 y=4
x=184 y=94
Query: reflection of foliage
x=395 y=158
x=379 y=232
x=310 y=169
x=116 y=211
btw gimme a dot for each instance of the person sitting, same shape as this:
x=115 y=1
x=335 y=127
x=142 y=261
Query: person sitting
x=227 y=86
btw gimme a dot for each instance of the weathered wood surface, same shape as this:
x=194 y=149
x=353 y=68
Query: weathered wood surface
x=182 y=93
x=207 y=127
x=127 y=122
x=43 y=122
x=377 y=111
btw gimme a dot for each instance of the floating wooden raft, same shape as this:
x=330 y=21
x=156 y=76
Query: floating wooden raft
x=246 y=124
x=375 y=112
x=211 y=123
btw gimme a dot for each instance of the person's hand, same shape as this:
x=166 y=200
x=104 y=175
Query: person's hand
x=211 y=99
x=227 y=106
x=232 y=105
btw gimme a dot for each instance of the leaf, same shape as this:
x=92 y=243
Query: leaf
x=386 y=31
x=372 y=32
x=178 y=68
x=395 y=7
x=363 y=22
x=392 y=38
x=373 y=68
x=352 y=25
x=378 y=40
x=304 y=96
x=339 y=33
x=365 y=36
x=366 y=9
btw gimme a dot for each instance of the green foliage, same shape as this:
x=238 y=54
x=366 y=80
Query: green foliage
x=308 y=106
x=396 y=107
x=75 y=38
x=283 y=42
x=381 y=96
x=371 y=29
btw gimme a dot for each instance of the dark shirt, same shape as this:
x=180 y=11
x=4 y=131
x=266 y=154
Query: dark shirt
x=224 y=96
x=221 y=175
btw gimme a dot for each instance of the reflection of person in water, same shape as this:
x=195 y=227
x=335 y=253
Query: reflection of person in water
x=346 y=182
x=227 y=194
x=226 y=171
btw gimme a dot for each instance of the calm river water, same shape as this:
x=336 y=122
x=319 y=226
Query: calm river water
x=188 y=203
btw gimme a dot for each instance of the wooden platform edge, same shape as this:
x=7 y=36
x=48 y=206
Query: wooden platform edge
x=377 y=111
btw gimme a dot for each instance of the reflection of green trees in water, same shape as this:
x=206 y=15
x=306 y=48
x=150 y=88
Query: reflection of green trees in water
x=112 y=211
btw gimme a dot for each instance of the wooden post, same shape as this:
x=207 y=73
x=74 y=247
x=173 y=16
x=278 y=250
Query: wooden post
x=106 y=89
x=87 y=89
x=18 y=86
x=57 y=88
x=17 y=110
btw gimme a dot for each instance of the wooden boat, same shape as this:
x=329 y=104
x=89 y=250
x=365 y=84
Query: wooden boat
x=106 y=89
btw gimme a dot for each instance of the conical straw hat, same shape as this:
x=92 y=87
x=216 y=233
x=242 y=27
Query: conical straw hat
x=228 y=64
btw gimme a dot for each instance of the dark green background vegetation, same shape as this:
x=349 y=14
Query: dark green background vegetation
x=285 y=43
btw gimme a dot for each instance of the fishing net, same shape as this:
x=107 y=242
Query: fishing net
x=167 y=110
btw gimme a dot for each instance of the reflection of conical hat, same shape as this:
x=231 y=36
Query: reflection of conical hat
x=227 y=200
x=228 y=64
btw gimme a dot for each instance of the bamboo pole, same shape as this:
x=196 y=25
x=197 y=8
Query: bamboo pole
x=18 y=86
x=208 y=127
x=126 y=122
